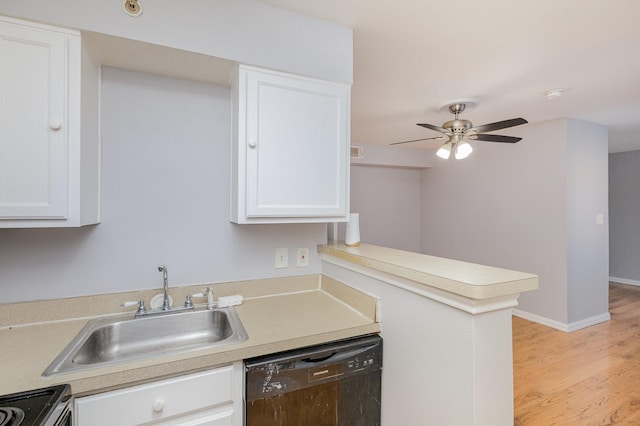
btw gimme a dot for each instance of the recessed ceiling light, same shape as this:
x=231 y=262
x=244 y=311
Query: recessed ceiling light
x=554 y=93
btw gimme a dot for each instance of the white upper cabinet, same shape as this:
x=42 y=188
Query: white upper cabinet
x=49 y=142
x=290 y=148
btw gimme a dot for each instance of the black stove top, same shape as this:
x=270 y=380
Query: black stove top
x=11 y=416
x=32 y=408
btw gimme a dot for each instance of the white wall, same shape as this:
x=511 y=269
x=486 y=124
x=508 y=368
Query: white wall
x=165 y=200
x=239 y=30
x=388 y=200
x=532 y=207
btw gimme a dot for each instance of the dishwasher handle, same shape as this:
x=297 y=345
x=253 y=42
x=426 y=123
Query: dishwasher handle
x=319 y=359
x=332 y=356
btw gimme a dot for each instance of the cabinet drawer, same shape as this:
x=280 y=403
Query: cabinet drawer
x=158 y=400
x=219 y=416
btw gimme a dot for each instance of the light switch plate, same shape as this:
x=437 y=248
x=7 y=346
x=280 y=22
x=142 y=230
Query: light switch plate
x=282 y=258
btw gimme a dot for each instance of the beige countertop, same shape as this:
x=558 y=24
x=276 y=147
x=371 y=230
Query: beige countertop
x=277 y=315
x=470 y=280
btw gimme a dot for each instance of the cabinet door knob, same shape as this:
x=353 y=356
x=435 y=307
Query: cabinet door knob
x=253 y=143
x=158 y=405
x=55 y=125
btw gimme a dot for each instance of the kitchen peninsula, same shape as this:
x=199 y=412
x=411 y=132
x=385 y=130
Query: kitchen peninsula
x=447 y=331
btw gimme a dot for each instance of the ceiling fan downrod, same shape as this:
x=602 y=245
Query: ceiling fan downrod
x=457 y=125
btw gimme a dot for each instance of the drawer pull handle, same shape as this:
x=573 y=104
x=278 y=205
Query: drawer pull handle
x=158 y=405
x=253 y=143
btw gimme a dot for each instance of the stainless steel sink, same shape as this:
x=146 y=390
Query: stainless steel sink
x=116 y=340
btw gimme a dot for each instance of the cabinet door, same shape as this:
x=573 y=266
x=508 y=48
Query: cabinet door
x=297 y=138
x=33 y=150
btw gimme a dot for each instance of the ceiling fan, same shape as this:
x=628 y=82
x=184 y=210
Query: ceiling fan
x=458 y=131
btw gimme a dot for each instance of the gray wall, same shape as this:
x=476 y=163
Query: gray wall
x=165 y=199
x=245 y=31
x=587 y=236
x=388 y=200
x=504 y=206
x=624 y=214
x=532 y=206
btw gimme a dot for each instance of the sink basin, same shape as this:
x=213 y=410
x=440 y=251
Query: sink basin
x=116 y=340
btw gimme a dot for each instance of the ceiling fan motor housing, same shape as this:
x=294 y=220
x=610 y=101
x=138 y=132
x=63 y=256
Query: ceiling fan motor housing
x=458 y=125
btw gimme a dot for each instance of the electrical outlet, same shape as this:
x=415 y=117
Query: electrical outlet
x=303 y=257
x=282 y=258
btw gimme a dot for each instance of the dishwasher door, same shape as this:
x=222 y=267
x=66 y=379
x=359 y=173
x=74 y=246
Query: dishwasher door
x=337 y=383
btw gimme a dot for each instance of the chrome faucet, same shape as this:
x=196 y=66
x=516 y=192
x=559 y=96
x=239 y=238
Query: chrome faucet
x=165 y=279
x=166 y=305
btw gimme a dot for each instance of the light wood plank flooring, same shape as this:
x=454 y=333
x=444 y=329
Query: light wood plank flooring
x=588 y=377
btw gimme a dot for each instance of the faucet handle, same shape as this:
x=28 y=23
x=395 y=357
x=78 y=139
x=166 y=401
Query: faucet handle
x=208 y=293
x=188 y=303
x=210 y=302
x=142 y=309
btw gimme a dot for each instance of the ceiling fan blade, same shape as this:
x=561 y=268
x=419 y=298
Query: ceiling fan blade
x=496 y=138
x=499 y=125
x=417 y=140
x=436 y=128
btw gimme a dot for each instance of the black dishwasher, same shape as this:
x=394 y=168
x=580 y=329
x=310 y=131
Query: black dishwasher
x=337 y=383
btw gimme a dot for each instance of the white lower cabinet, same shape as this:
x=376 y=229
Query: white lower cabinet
x=212 y=397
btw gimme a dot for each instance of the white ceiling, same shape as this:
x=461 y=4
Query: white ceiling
x=412 y=56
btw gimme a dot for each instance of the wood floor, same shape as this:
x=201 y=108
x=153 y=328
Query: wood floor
x=588 y=377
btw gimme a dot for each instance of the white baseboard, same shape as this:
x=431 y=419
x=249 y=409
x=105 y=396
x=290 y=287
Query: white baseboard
x=624 y=281
x=568 y=328
x=587 y=322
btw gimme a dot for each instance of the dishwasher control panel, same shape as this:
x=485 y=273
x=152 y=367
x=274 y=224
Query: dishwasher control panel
x=303 y=368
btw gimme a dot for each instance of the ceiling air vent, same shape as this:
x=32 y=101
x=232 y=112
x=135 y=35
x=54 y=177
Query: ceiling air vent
x=357 y=152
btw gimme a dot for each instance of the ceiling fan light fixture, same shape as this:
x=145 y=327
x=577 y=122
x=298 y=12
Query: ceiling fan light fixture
x=463 y=150
x=445 y=151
